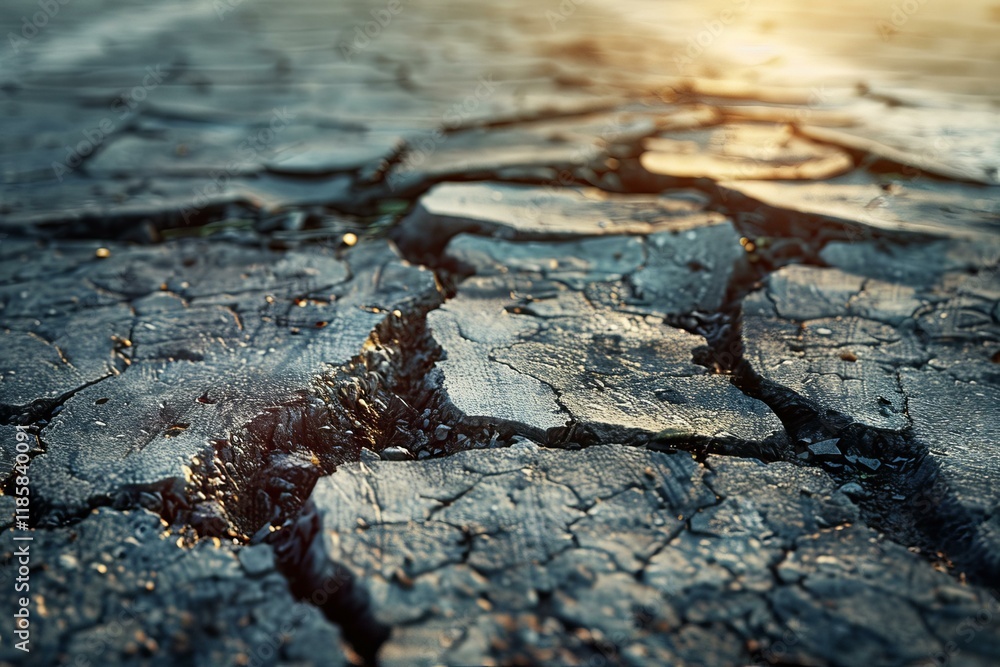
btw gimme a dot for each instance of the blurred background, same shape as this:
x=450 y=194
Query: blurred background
x=101 y=98
x=950 y=46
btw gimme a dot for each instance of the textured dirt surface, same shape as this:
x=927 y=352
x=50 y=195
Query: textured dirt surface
x=519 y=335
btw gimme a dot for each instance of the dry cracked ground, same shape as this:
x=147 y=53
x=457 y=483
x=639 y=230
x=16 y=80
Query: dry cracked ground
x=501 y=338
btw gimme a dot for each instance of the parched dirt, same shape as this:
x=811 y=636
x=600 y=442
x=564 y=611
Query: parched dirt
x=488 y=341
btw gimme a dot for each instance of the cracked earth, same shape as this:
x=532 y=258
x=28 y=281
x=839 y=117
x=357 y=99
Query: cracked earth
x=610 y=367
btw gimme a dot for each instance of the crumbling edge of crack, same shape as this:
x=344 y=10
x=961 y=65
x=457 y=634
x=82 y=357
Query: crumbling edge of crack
x=314 y=578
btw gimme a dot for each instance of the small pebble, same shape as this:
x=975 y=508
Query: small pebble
x=396 y=454
x=826 y=449
x=257 y=559
x=854 y=491
x=870 y=464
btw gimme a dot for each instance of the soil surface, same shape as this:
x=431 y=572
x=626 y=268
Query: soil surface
x=579 y=333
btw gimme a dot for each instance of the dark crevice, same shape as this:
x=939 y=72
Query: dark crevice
x=41 y=411
x=316 y=579
x=35 y=417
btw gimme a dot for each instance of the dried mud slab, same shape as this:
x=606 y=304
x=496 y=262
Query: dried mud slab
x=865 y=207
x=505 y=555
x=958 y=143
x=743 y=152
x=136 y=207
x=539 y=151
x=570 y=346
x=116 y=589
x=346 y=152
x=831 y=337
x=163 y=148
x=520 y=212
x=663 y=273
